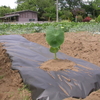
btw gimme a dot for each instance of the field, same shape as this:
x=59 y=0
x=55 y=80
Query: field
x=82 y=44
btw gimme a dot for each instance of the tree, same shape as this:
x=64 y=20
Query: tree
x=47 y=8
x=43 y=7
x=70 y=4
x=4 y=10
x=66 y=15
x=88 y=8
x=49 y=13
x=78 y=11
x=96 y=6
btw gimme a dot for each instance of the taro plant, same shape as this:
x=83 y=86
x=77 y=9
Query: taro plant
x=54 y=37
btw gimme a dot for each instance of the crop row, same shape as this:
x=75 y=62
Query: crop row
x=26 y=28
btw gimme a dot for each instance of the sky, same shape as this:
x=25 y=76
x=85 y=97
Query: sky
x=10 y=3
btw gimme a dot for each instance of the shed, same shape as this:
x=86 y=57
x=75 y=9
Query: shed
x=20 y=16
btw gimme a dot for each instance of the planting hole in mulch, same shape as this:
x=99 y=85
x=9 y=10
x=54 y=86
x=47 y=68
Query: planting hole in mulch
x=58 y=64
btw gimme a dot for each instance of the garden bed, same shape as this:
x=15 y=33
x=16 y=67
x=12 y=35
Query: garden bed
x=81 y=45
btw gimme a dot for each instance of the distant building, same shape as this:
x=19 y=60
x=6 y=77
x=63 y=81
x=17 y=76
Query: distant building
x=20 y=16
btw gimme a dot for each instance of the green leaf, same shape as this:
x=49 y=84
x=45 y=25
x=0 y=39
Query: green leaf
x=54 y=50
x=54 y=36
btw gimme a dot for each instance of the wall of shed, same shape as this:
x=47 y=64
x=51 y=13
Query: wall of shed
x=27 y=16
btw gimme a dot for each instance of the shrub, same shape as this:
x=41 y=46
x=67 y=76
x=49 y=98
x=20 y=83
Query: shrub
x=65 y=21
x=66 y=15
x=92 y=20
x=79 y=18
x=98 y=19
x=87 y=19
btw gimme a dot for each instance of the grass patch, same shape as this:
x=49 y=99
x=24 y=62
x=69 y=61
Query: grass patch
x=25 y=93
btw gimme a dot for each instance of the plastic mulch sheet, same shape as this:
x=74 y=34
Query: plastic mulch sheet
x=54 y=85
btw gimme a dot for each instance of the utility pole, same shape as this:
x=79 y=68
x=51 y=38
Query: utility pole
x=56 y=10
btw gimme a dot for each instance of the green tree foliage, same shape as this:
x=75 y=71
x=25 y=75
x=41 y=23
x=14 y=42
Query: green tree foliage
x=88 y=8
x=66 y=15
x=4 y=10
x=71 y=8
x=49 y=13
x=96 y=4
x=45 y=8
x=96 y=7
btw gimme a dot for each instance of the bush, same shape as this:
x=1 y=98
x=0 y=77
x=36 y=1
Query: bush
x=98 y=19
x=92 y=20
x=87 y=19
x=79 y=18
x=65 y=21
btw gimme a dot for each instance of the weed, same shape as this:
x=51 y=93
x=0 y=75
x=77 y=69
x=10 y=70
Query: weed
x=2 y=76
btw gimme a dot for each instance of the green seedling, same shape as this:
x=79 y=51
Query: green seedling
x=54 y=37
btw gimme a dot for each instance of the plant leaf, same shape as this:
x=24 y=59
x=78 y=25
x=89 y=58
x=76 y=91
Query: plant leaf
x=54 y=50
x=54 y=36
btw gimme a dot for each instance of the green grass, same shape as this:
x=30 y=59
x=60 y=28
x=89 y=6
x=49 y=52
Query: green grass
x=24 y=91
x=26 y=98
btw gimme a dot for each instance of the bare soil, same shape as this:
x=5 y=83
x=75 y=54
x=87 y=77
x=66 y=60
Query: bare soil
x=57 y=64
x=81 y=45
x=11 y=86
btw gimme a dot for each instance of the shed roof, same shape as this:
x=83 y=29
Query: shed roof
x=9 y=16
x=21 y=12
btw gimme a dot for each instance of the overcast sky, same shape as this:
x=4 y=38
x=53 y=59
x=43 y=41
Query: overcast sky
x=12 y=3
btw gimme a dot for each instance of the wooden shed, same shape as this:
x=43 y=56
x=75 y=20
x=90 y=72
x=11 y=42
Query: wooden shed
x=20 y=16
